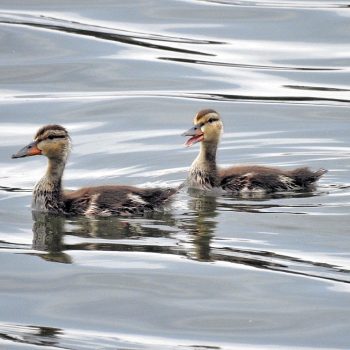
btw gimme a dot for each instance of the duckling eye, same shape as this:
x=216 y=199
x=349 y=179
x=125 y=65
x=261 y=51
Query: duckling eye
x=51 y=137
x=210 y=120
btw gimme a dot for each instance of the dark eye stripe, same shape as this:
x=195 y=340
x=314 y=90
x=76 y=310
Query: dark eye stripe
x=210 y=120
x=51 y=137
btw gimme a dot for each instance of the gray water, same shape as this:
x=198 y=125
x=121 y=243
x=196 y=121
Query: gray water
x=207 y=272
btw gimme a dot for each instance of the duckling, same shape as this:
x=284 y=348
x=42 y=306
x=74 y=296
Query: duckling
x=241 y=179
x=53 y=141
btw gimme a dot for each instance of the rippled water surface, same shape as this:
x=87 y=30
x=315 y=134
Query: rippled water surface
x=208 y=272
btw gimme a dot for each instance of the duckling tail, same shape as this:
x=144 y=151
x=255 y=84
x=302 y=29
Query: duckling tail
x=305 y=177
x=320 y=172
x=157 y=196
x=169 y=192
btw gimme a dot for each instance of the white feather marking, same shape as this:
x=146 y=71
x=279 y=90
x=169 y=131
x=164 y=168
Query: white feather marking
x=104 y=212
x=288 y=182
x=136 y=198
x=92 y=208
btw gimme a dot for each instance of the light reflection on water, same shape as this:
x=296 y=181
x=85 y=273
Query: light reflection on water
x=210 y=271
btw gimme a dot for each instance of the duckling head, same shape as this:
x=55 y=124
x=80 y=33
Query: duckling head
x=207 y=127
x=52 y=141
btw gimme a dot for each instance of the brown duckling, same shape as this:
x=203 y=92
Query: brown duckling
x=53 y=141
x=241 y=179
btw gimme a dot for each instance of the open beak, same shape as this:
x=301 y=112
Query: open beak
x=29 y=150
x=196 y=133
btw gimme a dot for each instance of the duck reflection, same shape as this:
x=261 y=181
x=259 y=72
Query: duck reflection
x=202 y=221
x=154 y=233
x=201 y=224
x=140 y=234
x=48 y=231
x=193 y=235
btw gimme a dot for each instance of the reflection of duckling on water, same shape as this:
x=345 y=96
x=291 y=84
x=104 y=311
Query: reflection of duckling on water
x=202 y=226
x=118 y=234
x=48 y=232
x=204 y=173
x=53 y=142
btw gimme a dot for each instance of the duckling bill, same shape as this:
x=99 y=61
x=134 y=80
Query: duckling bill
x=206 y=175
x=53 y=141
x=196 y=133
x=29 y=150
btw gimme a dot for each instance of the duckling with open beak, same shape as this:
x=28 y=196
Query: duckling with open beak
x=204 y=173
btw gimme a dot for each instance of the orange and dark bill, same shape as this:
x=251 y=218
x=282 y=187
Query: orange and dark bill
x=29 y=150
x=196 y=133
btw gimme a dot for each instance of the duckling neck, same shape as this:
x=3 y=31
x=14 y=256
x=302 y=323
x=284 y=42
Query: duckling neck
x=47 y=194
x=204 y=173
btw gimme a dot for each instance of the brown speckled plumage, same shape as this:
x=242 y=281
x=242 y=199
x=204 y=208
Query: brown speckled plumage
x=243 y=179
x=204 y=173
x=53 y=141
x=115 y=200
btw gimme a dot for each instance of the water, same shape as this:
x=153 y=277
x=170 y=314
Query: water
x=209 y=272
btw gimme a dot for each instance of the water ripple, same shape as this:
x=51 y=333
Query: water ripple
x=74 y=339
x=126 y=79
x=109 y=34
x=278 y=4
x=57 y=239
x=250 y=66
x=182 y=95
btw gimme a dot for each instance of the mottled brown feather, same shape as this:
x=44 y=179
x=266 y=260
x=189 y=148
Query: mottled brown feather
x=116 y=199
x=252 y=178
x=244 y=169
x=50 y=127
